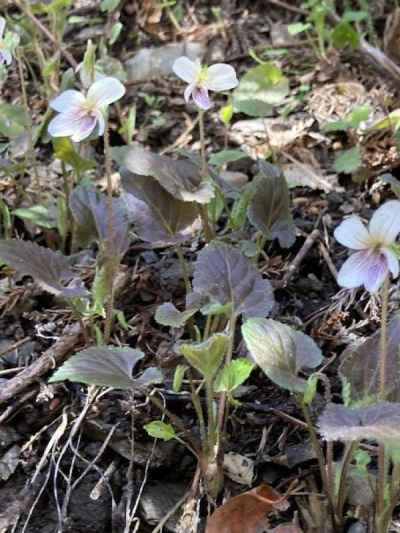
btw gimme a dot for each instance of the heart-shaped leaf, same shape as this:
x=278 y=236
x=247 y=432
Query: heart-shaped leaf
x=229 y=279
x=51 y=270
x=260 y=88
x=105 y=366
x=269 y=209
x=233 y=375
x=158 y=217
x=90 y=210
x=280 y=351
x=380 y=422
x=168 y=315
x=359 y=370
x=207 y=356
x=181 y=178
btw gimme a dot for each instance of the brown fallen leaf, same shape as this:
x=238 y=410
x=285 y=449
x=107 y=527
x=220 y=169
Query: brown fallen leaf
x=246 y=512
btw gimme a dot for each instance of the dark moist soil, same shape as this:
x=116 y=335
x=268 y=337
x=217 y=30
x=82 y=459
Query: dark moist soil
x=260 y=428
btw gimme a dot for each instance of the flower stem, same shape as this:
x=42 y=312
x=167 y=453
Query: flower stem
x=36 y=182
x=184 y=268
x=208 y=232
x=110 y=260
x=382 y=463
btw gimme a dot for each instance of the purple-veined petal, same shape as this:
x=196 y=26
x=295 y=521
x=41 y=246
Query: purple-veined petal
x=105 y=91
x=366 y=268
x=201 y=98
x=5 y=56
x=392 y=261
x=100 y=123
x=352 y=233
x=385 y=222
x=2 y=26
x=221 y=77
x=67 y=101
x=188 y=92
x=186 y=69
x=63 y=125
x=84 y=127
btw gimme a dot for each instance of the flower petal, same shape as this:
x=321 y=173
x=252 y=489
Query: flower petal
x=188 y=92
x=62 y=125
x=101 y=123
x=67 y=101
x=221 y=77
x=5 y=55
x=106 y=91
x=83 y=128
x=201 y=98
x=186 y=69
x=2 y=26
x=352 y=233
x=363 y=268
x=385 y=222
x=392 y=261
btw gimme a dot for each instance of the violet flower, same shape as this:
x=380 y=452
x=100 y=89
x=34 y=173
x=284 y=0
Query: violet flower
x=375 y=250
x=201 y=79
x=80 y=114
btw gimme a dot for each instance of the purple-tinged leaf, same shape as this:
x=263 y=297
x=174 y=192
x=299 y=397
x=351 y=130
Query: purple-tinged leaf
x=90 y=210
x=269 y=209
x=51 y=270
x=359 y=370
x=228 y=278
x=157 y=216
x=280 y=351
x=182 y=178
x=380 y=422
x=105 y=366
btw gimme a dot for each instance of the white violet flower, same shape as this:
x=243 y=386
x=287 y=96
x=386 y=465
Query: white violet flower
x=80 y=114
x=201 y=79
x=375 y=250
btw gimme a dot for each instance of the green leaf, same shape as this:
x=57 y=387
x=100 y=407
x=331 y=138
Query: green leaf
x=391 y=121
x=355 y=16
x=179 y=374
x=13 y=120
x=62 y=217
x=298 y=27
x=311 y=389
x=207 y=356
x=115 y=32
x=280 y=351
x=345 y=35
x=105 y=366
x=259 y=89
x=65 y=151
x=99 y=292
x=348 y=161
x=226 y=113
x=352 y=121
x=226 y=156
x=168 y=315
x=38 y=214
x=233 y=375
x=160 y=430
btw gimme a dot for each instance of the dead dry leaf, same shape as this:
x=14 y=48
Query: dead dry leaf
x=246 y=512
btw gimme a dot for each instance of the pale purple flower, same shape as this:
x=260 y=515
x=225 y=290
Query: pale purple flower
x=201 y=79
x=375 y=249
x=80 y=114
x=5 y=50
